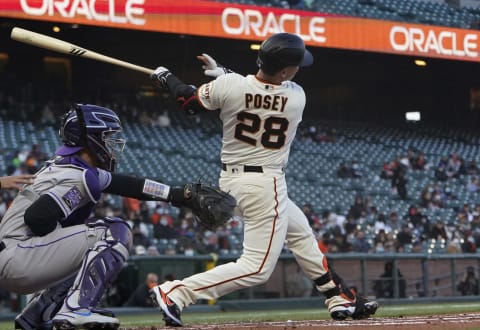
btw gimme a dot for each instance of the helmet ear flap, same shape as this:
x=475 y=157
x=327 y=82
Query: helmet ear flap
x=82 y=137
x=73 y=136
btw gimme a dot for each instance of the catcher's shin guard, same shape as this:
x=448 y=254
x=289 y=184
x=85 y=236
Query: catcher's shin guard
x=42 y=307
x=100 y=267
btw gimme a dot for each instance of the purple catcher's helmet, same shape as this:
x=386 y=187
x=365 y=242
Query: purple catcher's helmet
x=93 y=127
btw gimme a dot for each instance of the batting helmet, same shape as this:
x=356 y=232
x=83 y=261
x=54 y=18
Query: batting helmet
x=282 y=50
x=93 y=127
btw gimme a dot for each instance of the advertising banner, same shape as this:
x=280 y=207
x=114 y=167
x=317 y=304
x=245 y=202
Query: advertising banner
x=234 y=21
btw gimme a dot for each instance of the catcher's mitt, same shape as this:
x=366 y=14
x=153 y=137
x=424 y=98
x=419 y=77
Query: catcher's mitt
x=211 y=206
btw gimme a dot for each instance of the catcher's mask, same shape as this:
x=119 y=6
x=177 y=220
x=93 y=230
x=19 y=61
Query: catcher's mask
x=93 y=127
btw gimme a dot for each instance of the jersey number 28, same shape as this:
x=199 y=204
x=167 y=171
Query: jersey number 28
x=273 y=136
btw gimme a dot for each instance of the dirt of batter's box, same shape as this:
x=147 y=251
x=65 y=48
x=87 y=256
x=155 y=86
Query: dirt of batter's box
x=462 y=321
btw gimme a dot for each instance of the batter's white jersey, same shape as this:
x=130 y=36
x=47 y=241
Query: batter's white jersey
x=259 y=119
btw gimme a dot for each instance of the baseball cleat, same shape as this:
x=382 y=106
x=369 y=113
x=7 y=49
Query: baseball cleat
x=170 y=311
x=342 y=312
x=370 y=308
x=341 y=308
x=84 y=319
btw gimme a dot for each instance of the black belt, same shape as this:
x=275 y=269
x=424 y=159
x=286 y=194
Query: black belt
x=246 y=168
x=2 y=246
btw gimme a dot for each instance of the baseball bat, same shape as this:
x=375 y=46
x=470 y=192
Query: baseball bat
x=64 y=47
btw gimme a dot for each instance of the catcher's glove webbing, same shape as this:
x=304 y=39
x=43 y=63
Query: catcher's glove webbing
x=211 y=206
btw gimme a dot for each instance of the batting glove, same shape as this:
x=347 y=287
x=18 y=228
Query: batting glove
x=159 y=77
x=211 y=67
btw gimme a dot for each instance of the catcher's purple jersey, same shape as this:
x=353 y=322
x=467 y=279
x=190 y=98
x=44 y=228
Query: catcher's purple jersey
x=31 y=263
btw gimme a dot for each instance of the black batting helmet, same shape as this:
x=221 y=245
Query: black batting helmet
x=282 y=50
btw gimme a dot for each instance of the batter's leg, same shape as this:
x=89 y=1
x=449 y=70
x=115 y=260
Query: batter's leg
x=340 y=300
x=263 y=202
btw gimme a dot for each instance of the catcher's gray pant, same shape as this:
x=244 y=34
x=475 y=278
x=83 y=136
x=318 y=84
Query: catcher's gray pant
x=41 y=262
x=270 y=218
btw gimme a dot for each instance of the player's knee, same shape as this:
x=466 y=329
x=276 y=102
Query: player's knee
x=121 y=232
x=118 y=230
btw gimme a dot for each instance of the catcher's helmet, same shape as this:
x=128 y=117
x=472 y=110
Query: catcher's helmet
x=282 y=50
x=93 y=127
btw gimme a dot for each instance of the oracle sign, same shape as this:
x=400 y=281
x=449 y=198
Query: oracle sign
x=236 y=21
x=443 y=42
x=132 y=12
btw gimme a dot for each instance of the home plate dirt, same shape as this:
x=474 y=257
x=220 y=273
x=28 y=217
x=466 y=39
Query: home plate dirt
x=438 y=322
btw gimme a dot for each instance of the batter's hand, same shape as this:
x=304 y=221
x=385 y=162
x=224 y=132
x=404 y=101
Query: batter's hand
x=16 y=181
x=159 y=77
x=211 y=67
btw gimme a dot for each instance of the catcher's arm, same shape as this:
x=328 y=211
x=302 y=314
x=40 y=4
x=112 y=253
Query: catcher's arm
x=212 y=206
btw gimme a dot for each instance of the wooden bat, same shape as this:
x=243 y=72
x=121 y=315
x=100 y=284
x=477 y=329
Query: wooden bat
x=60 y=46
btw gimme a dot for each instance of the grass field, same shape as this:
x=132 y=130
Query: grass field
x=155 y=319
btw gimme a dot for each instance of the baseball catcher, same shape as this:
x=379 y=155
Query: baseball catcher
x=48 y=244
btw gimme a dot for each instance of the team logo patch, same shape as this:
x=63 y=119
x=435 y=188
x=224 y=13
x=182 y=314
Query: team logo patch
x=72 y=198
x=205 y=91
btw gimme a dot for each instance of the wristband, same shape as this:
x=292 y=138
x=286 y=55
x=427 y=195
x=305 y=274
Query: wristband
x=156 y=189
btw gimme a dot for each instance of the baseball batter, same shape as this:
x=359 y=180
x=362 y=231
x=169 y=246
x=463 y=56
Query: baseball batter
x=48 y=246
x=260 y=115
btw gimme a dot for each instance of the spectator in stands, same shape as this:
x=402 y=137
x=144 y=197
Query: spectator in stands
x=438 y=230
x=469 y=245
x=340 y=242
x=420 y=162
x=164 y=228
x=453 y=165
x=394 y=221
x=163 y=120
x=414 y=216
x=324 y=241
x=380 y=241
x=360 y=243
x=357 y=170
x=350 y=224
x=358 y=209
x=387 y=171
x=385 y=286
x=399 y=182
x=344 y=171
x=404 y=237
x=312 y=217
x=469 y=286
x=141 y=296
x=472 y=168
x=381 y=224
x=140 y=233
x=333 y=221
x=472 y=185
x=187 y=225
